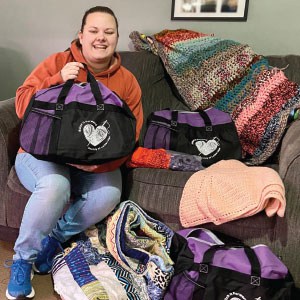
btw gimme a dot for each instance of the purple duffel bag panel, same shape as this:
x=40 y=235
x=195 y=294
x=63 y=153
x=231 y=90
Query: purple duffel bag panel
x=37 y=129
x=216 y=116
x=78 y=94
x=234 y=258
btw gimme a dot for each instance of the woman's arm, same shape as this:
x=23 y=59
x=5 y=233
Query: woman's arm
x=46 y=74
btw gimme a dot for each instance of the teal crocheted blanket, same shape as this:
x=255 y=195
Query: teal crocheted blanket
x=212 y=72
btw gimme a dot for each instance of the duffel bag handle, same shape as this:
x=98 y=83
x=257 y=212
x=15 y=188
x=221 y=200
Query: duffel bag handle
x=252 y=257
x=174 y=122
x=202 y=113
x=68 y=85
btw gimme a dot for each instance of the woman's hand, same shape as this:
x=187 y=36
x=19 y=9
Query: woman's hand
x=86 y=168
x=71 y=70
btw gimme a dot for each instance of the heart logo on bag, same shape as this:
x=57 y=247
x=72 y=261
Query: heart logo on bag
x=97 y=136
x=206 y=147
x=236 y=296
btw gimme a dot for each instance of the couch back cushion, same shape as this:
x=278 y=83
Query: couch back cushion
x=158 y=90
x=290 y=64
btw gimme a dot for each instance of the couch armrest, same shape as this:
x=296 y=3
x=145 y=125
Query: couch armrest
x=289 y=158
x=9 y=138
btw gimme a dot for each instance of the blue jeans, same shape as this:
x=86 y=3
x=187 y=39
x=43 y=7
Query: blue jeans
x=94 y=195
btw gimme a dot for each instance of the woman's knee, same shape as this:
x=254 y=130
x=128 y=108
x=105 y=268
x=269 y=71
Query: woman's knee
x=54 y=186
x=107 y=200
x=114 y=198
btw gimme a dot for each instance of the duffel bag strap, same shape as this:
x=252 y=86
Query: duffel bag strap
x=95 y=90
x=252 y=257
x=206 y=119
x=174 y=123
x=174 y=132
x=67 y=87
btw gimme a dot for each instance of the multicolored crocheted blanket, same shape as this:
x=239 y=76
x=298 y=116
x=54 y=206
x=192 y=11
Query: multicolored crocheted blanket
x=126 y=256
x=209 y=71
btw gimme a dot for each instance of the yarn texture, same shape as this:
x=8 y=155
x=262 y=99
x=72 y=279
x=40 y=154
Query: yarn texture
x=229 y=190
x=213 y=72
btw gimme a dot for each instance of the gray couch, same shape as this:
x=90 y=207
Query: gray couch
x=159 y=191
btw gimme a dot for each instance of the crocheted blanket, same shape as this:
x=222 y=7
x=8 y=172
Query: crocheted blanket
x=125 y=256
x=209 y=71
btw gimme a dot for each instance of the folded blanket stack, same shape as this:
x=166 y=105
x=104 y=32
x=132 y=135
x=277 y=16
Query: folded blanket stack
x=141 y=245
x=212 y=72
x=229 y=190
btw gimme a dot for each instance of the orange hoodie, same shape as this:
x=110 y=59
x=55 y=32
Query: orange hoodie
x=116 y=78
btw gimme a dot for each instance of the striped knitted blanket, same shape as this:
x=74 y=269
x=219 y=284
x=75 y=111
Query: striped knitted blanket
x=209 y=71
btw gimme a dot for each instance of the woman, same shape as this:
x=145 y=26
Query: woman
x=95 y=190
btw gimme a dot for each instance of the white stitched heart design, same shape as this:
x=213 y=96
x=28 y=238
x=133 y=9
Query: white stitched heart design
x=95 y=135
x=206 y=147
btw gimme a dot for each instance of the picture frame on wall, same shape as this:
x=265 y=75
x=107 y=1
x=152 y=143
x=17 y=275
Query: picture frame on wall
x=210 y=10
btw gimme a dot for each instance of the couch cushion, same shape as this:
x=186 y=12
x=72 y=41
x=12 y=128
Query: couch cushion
x=15 y=200
x=289 y=63
x=158 y=191
x=15 y=184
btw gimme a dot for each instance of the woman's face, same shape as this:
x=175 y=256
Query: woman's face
x=99 y=38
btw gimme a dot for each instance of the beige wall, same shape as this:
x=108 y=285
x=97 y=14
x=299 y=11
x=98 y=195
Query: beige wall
x=30 y=30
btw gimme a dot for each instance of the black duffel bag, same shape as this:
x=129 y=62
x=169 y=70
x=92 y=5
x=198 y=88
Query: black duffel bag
x=210 y=134
x=82 y=123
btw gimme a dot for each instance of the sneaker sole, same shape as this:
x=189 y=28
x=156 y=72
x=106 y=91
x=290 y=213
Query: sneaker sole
x=30 y=296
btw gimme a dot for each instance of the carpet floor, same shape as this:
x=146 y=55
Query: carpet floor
x=43 y=285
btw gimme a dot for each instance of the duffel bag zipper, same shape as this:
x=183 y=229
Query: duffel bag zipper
x=161 y=124
x=45 y=113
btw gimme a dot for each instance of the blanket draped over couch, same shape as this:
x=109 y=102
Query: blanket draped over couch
x=209 y=71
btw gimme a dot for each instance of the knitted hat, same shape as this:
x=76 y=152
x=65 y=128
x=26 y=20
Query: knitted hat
x=229 y=190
